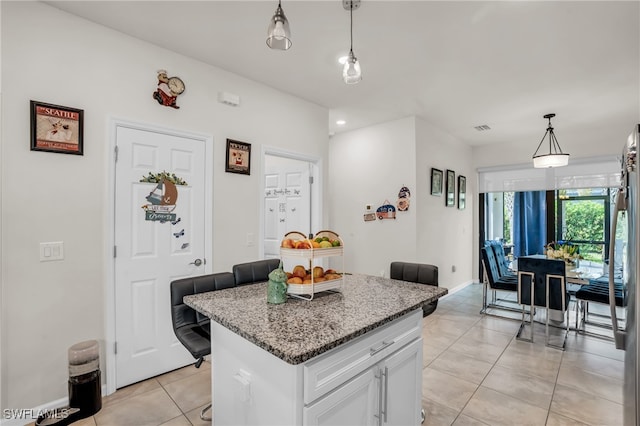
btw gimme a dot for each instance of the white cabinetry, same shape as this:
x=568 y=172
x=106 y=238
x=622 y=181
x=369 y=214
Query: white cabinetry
x=353 y=403
x=388 y=393
x=373 y=379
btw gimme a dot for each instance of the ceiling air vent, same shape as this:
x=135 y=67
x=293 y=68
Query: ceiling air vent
x=482 y=128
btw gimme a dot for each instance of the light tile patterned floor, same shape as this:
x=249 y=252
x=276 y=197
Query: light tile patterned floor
x=475 y=373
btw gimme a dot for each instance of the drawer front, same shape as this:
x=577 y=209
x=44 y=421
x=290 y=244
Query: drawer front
x=333 y=368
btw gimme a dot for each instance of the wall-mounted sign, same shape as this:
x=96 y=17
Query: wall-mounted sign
x=56 y=128
x=238 y=157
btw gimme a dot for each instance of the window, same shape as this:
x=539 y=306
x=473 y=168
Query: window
x=583 y=217
x=580 y=216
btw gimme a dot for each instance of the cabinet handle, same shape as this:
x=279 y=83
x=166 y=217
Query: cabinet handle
x=386 y=391
x=384 y=344
x=379 y=415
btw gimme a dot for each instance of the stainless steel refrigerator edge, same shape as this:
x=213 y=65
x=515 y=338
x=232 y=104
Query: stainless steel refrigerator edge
x=627 y=338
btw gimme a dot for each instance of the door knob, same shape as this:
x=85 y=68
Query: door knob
x=196 y=262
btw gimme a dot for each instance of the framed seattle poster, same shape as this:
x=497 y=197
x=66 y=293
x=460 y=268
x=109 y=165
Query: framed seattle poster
x=451 y=188
x=238 y=157
x=56 y=128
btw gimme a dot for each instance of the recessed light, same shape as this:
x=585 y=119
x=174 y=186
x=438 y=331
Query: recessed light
x=482 y=128
x=341 y=122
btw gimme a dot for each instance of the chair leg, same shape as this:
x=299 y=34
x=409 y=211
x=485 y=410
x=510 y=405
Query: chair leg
x=199 y=362
x=523 y=324
x=484 y=298
x=202 y=413
x=564 y=337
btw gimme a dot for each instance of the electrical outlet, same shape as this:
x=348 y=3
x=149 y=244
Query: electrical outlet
x=249 y=239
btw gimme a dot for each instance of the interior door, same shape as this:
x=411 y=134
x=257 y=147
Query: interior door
x=287 y=201
x=159 y=236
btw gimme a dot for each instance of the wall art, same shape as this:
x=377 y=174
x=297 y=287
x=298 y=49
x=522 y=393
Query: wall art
x=56 y=128
x=462 y=192
x=386 y=211
x=168 y=89
x=436 y=182
x=238 y=157
x=403 y=199
x=163 y=198
x=451 y=189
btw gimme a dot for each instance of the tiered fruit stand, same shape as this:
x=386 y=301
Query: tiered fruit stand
x=310 y=255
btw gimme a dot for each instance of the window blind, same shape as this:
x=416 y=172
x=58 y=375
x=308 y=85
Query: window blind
x=599 y=172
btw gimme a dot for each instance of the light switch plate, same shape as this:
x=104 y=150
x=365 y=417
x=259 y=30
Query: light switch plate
x=51 y=251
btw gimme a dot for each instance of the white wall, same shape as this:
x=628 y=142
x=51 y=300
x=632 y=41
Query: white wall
x=444 y=234
x=368 y=166
x=54 y=57
x=371 y=164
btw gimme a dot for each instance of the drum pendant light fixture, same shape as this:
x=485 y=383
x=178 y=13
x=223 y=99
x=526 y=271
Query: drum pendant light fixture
x=555 y=157
x=351 y=73
x=279 y=34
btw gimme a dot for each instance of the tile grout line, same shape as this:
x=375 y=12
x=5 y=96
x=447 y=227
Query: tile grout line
x=483 y=379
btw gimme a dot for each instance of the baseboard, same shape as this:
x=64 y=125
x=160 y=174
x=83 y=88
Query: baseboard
x=457 y=288
x=24 y=416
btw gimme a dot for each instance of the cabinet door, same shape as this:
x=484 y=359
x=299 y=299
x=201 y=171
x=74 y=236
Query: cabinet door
x=354 y=403
x=402 y=386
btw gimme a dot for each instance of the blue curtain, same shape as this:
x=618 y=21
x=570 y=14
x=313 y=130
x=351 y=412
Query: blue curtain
x=529 y=223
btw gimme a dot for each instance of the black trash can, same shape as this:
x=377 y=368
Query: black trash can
x=84 y=378
x=85 y=394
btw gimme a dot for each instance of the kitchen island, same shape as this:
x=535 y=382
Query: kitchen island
x=353 y=357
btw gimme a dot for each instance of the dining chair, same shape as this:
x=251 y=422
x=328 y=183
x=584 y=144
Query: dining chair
x=494 y=282
x=597 y=291
x=542 y=283
x=501 y=258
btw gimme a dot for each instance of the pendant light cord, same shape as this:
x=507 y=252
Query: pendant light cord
x=351 y=14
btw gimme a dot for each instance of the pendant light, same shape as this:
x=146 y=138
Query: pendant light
x=278 y=34
x=351 y=73
x=555 y=157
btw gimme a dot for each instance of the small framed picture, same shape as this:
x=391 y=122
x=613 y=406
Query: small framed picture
x=462 y=192
x=238 y=157
x=56 y=128
x=436 y=182
x=451 y=189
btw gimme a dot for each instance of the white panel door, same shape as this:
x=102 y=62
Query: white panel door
x=159 y=235
x=286 y=201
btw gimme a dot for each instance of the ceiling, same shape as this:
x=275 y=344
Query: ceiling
x=455 y=64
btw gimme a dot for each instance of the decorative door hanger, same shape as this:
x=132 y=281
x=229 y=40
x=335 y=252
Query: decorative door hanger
x=162 y=201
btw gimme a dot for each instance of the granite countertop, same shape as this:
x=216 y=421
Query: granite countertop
x=299 y=330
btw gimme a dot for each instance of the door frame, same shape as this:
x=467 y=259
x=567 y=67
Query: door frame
x=110 y=286
x=317 y=219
